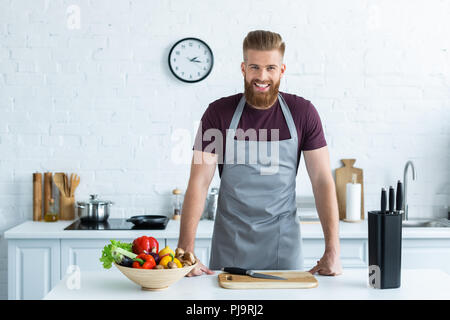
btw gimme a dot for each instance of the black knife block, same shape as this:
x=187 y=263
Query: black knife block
x=385 y=249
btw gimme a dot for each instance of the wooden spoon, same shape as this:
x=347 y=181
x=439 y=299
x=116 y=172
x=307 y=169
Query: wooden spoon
x=58 y=179
x=66 y=185
x=71 y=184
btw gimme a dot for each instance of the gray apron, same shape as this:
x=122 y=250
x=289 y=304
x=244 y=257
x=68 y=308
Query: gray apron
x=256 y=225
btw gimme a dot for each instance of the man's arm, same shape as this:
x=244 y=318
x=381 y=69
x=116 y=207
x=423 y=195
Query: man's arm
x=203 y=167
x=318 y=166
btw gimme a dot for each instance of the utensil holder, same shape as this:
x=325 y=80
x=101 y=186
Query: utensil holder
x=66 y=207
x=385 y=249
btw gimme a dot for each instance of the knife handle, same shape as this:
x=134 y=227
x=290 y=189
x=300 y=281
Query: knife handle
x=383 y=200
x=391 y=199
x=234 y=270
x=399 y=199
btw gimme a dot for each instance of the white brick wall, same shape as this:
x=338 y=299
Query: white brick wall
x=100 y=100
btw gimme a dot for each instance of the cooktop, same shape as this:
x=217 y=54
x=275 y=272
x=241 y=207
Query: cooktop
x=112 y=224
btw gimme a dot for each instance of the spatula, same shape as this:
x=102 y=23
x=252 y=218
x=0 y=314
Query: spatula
x=74 y=182
x=58 y=179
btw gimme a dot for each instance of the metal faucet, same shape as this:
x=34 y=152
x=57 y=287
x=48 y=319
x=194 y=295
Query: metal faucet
x=405 y=187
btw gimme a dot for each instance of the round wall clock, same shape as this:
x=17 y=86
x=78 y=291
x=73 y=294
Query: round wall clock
x=191 y=60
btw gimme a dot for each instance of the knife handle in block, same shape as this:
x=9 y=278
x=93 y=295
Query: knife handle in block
x=399 y=195
x=391 y=199
x=234 y=270
x=383 y=200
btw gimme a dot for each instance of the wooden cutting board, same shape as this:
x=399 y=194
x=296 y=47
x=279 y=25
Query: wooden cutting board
x=344 y=176
x=295 y=280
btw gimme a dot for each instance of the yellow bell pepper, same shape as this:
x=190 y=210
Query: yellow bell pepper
x=178 y=262
x=165 y=260
x=165 y=251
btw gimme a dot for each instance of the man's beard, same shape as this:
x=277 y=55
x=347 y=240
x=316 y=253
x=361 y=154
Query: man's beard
x=261 y=99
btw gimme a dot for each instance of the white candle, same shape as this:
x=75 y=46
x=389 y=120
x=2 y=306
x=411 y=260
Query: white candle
x=353 y=202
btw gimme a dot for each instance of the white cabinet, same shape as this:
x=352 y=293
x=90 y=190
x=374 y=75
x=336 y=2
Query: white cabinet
x=426 y=254
x=85 y=253
x=33 y=268
x=353 y=252
x=202 y=248
x=36 y=265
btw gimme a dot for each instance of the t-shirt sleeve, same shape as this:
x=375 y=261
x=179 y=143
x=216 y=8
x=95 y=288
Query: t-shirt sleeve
x=208 y=129
x=314 y=136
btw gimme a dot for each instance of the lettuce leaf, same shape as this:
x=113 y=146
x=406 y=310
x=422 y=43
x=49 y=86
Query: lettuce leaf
x=108 y=253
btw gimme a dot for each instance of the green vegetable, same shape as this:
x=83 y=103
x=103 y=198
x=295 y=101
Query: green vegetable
x=115 y=252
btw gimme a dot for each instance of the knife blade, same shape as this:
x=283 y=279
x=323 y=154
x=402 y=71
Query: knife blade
x=245 y=272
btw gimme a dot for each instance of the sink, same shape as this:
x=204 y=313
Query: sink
x=417 y=223
x=422 y=223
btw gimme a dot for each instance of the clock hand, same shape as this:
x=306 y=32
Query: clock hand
x=193 y=59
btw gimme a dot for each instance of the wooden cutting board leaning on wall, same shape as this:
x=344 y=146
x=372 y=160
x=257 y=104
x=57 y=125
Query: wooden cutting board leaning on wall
x=344 y=176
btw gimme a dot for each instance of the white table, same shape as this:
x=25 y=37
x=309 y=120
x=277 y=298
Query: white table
x=352 y=284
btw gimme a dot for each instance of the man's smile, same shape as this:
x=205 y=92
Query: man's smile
x=261 y=87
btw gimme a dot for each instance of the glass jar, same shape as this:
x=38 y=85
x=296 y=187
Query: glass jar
x=177 y=203
x=51 y=215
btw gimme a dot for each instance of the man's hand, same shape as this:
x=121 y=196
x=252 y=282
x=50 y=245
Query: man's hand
x=199 y=269
x=328 y=265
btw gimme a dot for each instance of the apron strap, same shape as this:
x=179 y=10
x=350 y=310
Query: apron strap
x=237 y=114
x=287 y=115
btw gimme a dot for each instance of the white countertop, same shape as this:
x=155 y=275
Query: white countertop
x=55 y=230
x=110 y=284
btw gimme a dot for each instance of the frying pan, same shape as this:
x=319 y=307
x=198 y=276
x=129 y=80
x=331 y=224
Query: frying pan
x=149 y=221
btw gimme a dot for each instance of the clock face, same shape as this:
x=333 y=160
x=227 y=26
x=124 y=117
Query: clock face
x=191 y=60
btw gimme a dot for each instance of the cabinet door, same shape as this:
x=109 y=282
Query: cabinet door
x=202 y=248
x=33 y=268
x=353 y=252
x=426 y=254
x=85 y=253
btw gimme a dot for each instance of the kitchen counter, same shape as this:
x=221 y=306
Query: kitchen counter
x=54 y=250
x=352 y=284
x=55 y=230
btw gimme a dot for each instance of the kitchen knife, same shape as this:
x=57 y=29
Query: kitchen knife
x=399 y=203
x=245 y=272
x=383 y=200
x=391 y=199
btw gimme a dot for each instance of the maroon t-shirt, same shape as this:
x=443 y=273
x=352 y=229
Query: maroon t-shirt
x=219 y=113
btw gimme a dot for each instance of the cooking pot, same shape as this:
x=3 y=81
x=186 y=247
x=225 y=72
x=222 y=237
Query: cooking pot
x=94 y=209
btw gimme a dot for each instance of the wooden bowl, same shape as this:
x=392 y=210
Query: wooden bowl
x=154 y=279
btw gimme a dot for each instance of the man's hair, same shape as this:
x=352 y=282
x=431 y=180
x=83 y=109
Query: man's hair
x=264 y=41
